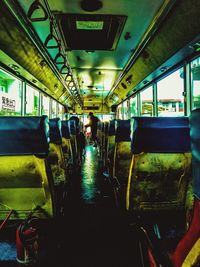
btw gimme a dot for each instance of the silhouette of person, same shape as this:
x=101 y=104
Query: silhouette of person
x=93 y=123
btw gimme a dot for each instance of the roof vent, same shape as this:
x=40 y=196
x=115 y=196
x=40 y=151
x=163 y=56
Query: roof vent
x=90 y=32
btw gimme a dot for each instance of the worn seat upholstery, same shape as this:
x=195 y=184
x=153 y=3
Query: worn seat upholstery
x=26 y=183
x=122 y=156
x=56 y=156
x=187 y=252
x=161 y=164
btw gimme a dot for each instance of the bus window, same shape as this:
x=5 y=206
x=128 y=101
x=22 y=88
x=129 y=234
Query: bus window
x=125 y=110
x=53 y=109
x=107 y=117
x=195 y=67
x=45 y=105
x=146 y=97
x=60 y=111
x=32 y=101
x=119 y=112
x=170 y=95
x=133 y=106
x=10 y=95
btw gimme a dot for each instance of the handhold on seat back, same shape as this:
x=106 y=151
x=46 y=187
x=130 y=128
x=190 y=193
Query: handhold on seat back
x=122 y=130
x=160 y=134
x=55 y=131
x=65 y=129
x=24 y=135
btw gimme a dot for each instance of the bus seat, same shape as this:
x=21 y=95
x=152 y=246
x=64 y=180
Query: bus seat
x=25 y=177
x=110 y=147
x=187 y=252
x=73 y=129
x=122 y=156
x=56 y=157
x=105 y=143
x=66 y=142
x=161 y=164
x=100 y=129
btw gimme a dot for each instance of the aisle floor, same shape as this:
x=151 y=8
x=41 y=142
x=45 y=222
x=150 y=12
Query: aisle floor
x=92 y=232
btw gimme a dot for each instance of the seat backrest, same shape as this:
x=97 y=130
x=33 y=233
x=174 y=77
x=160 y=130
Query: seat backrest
x=122 y=151
x=100 y=127
x=195 y=147
x=56 y=156
x=160 y=134
x=105 y=143
x=187 y=252
x=66 y=143
x=111 y=135
x=160 y=167
x=55 y=131
x=110 y=147
x=25 y=179
x=73 y=128
x=65 y=129
x=24 y=135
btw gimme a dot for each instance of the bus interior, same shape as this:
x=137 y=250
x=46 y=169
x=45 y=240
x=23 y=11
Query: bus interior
x=100 y=133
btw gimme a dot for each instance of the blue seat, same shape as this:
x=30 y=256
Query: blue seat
x=25 y=179
x=73 y=129
x=24 y=135
x=66 y=143
x=160 y=134
x=161 y=162
x=55 y=131
x=65 y=129
x=187 y=251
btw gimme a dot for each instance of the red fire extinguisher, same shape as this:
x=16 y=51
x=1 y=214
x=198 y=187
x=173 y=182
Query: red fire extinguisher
x=27 y=243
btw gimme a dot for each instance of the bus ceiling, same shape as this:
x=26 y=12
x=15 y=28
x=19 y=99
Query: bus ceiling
x=91 y=53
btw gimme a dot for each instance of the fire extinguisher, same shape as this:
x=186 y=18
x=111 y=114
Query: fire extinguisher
x=27 y=243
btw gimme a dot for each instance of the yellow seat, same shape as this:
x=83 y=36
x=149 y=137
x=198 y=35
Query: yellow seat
x=66 y=143
x=161 y=164
x=25 y=178
x=122 y=159
x=56 y=156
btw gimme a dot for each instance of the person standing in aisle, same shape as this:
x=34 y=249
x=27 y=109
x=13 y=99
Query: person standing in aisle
x=93 y=122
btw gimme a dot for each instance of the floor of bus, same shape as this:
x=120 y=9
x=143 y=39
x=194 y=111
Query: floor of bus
x=92 y=232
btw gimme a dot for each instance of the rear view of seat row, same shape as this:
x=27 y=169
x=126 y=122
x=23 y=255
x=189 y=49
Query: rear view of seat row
x=35 y=154
x=186 y=253
x=26 y=181
x=161 y=163
x=159 y=176
x=151 y=162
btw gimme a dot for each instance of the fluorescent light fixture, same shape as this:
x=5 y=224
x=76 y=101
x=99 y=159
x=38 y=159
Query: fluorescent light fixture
x=89 y=25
